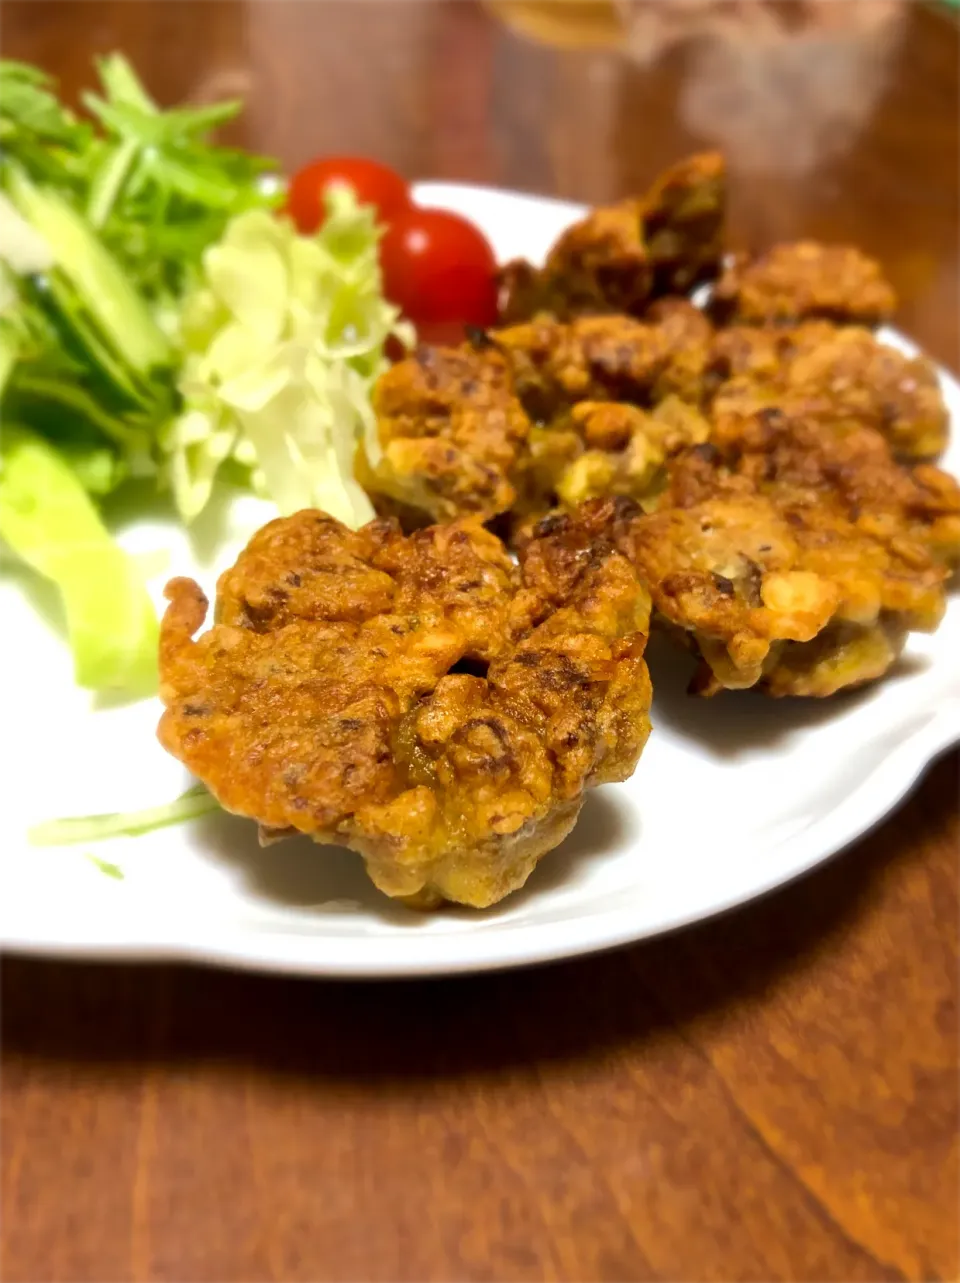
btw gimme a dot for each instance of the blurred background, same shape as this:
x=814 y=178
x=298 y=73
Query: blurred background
x=620 y=84
x=831 y=112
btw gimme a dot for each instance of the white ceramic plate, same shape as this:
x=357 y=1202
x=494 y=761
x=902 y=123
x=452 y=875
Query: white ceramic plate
x=733 y=796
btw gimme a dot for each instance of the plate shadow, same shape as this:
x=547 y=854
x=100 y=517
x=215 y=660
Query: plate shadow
x=297 y=873
x=300 y=874
x=739 y=722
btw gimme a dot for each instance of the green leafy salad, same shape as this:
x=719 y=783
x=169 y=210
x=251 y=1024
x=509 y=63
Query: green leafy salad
x=161 y=320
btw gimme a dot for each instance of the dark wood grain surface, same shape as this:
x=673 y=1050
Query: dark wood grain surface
x=772 y=1095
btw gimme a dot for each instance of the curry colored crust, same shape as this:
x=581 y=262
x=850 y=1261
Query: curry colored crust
x=619 y=258
x=420 y=699
x=451 y=430
x=847 y=373
x=804 y=280
x=761 y=563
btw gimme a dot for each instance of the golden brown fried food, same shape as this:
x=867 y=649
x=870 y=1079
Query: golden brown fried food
x=608 y=358
x=848 y=372
x=451 y=429
x=310 y=567
x=684 y=326
x=454 y=423
x=606 y=448
x=804 y=280
x=622 y=256
x=420 y=699
x=600 y=264
x=772 y=584
x=798 y=441
x=613 y=398
x=684 y=220
x=456 y=441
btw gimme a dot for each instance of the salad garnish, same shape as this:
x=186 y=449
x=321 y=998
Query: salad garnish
x=158 y=318
x=190 y=805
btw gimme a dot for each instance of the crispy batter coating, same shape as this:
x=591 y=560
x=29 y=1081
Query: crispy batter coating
x=620 y=257
x=454 y=423
x=684 y=222
x=420 y=699
x=848 y=372
x=606 y=448
x=608 y=358
x=684 y=326
x=804 y=280
x=770 y=582
x=311 y=568
x=600 y=264
x=612 y=398
x=798 y=441
x=451 y=429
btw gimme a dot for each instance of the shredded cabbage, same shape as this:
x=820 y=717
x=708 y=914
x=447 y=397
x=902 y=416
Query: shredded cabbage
x=281 y=346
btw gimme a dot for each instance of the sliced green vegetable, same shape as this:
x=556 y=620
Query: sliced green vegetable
x=161 y=191
x=10 y=346
x=108 y=180
x=105 y=867
x=93 y=828
x=23 y=248
x=121 y=83
x=38 y=132
x=47 y=518
x=98 y=278
x=96 y=467
x=59 y=408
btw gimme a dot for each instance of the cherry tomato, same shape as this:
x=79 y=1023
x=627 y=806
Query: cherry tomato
x=373 y=183
x=440 y=271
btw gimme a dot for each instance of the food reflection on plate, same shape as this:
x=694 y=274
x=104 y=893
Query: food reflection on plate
x=762 y=470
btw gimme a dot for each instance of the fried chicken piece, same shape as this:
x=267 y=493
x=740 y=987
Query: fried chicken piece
x=608 y=358
x=800 y=441
x=584 y=383
x=451 y=429
x=309 y=567
x=804 y=280
x=420 y=699
x=684 y=326
x=606 y=448
x=454 y=423
x=620 y=257
x=772 y=585
x=684 y=220
x=600 y=264
x=849 y=372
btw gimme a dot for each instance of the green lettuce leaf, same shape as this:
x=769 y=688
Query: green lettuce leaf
x=48 y=520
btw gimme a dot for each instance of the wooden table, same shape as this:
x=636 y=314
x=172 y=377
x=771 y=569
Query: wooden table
x=773 y=1095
